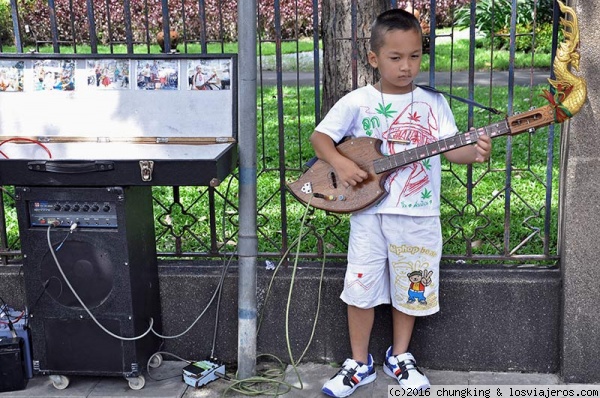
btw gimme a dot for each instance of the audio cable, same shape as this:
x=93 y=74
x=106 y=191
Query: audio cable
x=57 y=262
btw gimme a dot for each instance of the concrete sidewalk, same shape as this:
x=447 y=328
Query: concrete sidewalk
x=166 y=382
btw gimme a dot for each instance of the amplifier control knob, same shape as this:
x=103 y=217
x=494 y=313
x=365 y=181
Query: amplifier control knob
x=95 y=208
x=85 y=207
x=106 y=208
x=57 y=207
x=75 y=207
x=67 y=207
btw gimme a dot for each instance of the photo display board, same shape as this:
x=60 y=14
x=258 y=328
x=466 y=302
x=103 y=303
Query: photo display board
x=149 y=107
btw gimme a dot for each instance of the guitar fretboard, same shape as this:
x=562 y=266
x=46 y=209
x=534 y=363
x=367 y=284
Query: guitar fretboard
x=435 y=148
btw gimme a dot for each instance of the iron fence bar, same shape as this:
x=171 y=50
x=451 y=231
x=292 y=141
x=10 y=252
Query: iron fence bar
x=202 y=14
x=183 y=26
x=280 y=120
x=53 y=26
x=166 y=29
x=432 y=26
x=92 y=27
x=470 y=123
x=109 y=26
x=509 y=160
x=471 y=80
x=14 y=11
x=283 y=169
x=214 y=243
x=72 y=20
x=3 y=235
x=147 y=25
x=316 y=61
x=353 y=42
x=221 y=30
x=128 y=28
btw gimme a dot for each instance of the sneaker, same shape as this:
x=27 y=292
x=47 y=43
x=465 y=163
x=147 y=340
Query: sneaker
x=404 y=369
x=351 y=376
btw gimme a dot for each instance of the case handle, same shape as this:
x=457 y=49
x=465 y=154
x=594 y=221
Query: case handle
x=71 y=167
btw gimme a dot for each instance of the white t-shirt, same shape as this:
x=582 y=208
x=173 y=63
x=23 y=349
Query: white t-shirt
x=420 y=117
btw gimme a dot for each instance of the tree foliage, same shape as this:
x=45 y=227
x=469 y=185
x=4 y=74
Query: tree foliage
x=444 y=9
x=212 y=20
x=5 y=22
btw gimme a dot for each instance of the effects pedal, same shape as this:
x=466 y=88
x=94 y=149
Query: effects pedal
x=201 y=373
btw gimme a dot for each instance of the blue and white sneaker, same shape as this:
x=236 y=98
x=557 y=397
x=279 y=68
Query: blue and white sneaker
x=351 y=376
x=404 y=369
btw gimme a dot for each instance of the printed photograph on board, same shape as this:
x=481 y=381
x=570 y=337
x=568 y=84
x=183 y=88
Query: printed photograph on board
x=108 y=74
x=157 y=75
x=52 y=74
x=11 y=75
x=209 y=74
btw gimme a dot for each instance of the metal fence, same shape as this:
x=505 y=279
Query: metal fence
x=505 y=211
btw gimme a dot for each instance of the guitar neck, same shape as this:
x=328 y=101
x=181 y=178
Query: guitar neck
x=527 y=121
x=435 y=148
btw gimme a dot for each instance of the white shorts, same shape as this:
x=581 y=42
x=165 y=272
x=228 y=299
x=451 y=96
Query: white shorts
x=394 y=259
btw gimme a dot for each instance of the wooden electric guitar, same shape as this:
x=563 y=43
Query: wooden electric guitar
x=320 y=184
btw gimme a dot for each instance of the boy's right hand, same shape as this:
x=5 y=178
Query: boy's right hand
x=348 y=172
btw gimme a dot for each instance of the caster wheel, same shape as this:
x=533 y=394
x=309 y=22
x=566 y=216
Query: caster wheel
x=136 y=383
x=156 y=360
x=60 y=382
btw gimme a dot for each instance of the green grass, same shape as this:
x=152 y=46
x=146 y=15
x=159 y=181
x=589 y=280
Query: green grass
x=455 y=57
x=266 y=48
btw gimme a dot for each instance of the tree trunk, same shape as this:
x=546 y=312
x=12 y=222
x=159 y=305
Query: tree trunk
x=346 y=32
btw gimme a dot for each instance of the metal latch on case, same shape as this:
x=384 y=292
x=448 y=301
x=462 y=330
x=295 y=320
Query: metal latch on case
x=146 y=169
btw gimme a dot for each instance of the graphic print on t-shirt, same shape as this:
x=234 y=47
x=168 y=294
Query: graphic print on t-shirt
x=417 y=125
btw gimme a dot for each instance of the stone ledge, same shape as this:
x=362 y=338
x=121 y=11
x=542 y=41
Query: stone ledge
x=491 y=319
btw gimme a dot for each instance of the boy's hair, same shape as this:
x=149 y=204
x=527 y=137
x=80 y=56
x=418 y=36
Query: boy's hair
x=396 y=19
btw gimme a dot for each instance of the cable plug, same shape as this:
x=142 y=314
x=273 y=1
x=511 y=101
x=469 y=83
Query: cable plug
x=73 y=227
x=222 y=376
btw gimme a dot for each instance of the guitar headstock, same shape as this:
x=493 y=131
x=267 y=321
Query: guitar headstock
x=531 y=120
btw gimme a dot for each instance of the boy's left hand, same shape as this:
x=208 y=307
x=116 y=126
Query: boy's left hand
x=483 y=148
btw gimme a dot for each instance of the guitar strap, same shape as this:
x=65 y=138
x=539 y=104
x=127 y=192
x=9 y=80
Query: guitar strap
x=465 y=100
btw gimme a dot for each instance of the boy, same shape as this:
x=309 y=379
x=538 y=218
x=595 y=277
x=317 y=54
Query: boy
x=395 y=246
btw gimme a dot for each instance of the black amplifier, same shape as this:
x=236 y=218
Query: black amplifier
x=13 y=375
x=109 y=260
x=85 y=213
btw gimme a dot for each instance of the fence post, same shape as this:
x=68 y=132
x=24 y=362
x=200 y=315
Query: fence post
x=248 y=244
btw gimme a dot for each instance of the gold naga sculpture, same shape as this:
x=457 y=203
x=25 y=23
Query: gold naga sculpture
x=570 y=91
x=319 y=186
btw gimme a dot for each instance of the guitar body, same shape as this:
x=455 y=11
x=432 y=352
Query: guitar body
x=320 y=182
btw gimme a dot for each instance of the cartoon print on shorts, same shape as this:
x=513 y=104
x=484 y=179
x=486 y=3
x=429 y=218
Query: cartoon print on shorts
x=418 y=281
x=414 y=287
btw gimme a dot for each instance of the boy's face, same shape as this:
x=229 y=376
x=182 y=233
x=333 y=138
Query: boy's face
x=398 y=60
